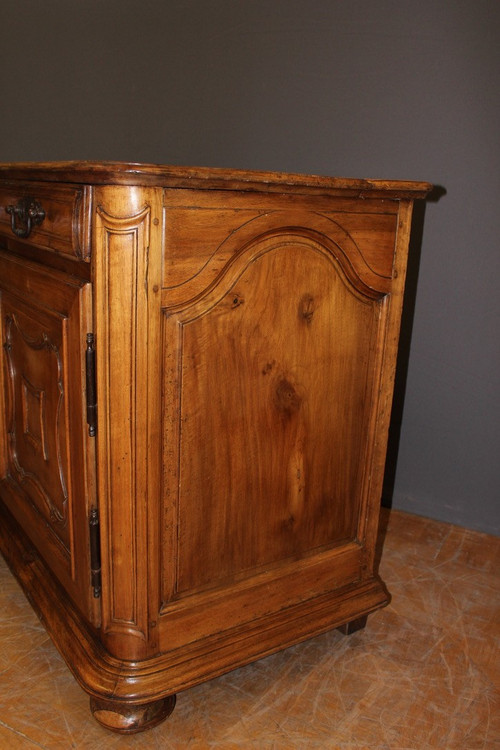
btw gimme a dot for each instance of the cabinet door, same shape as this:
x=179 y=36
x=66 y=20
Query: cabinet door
x=46 y=483
x=272 y=379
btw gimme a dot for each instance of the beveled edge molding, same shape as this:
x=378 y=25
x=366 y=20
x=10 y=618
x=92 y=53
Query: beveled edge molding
x=122 y=223
x=164 y=175
x=122 y=241
x=102 y=675
x=81 y=219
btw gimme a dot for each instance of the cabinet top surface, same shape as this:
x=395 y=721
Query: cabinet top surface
x=156 y=175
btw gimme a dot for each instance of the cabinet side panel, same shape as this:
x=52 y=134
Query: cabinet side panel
x=274 y=370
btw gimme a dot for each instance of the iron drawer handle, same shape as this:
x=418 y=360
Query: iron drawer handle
x=23 y=216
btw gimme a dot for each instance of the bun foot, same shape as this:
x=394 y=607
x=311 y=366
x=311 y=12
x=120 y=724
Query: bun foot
x=353 y=625
x=127 y=718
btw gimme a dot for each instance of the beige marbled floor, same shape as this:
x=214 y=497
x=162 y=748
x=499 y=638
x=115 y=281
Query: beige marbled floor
x=425 y=672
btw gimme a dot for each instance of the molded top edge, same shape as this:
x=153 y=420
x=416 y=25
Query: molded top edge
x=129 y=173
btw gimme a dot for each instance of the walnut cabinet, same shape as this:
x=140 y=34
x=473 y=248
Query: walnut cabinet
x=197 y=378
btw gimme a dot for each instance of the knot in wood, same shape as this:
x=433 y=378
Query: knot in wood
x=286 y=398
x=307 y=308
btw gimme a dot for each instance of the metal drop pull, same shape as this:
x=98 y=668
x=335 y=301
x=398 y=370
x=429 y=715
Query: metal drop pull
x=26 y=214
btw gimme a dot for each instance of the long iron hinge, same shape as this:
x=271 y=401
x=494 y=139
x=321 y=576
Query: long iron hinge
x=90 y=385
x=95 y=552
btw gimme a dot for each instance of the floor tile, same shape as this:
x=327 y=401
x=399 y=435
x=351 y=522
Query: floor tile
x=423 y=674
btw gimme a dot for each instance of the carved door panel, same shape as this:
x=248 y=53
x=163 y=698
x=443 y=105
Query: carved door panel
x=271 y=386
x=45 y=316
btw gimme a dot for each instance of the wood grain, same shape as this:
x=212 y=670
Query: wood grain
x=245 y=329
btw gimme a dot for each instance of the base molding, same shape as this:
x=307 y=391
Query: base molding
x=129 y=696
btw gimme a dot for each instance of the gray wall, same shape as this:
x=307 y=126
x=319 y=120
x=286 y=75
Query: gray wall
x=365 y=88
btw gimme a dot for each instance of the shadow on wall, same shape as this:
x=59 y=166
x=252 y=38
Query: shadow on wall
x=414 y=253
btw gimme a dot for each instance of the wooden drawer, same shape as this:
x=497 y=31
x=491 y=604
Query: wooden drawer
x=63 y=221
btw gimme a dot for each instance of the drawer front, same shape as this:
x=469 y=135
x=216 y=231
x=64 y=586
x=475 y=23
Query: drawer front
x=54 y=218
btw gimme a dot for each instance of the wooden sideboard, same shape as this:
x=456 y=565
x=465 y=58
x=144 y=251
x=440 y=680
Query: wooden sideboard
x=197 y=377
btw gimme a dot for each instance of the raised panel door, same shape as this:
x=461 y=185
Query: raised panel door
x=47 y=482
